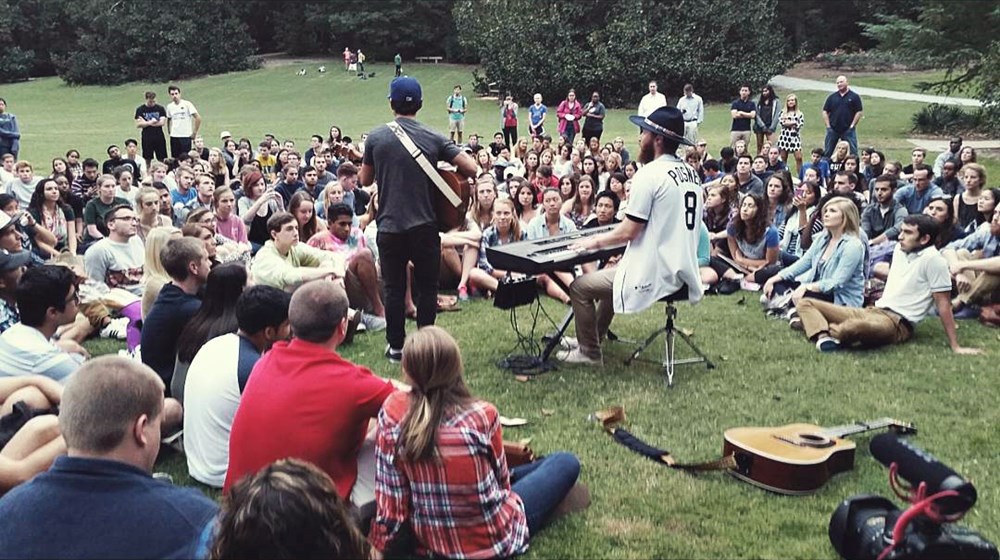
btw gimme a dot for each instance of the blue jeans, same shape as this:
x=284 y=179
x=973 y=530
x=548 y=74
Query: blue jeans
x=832 y=137
x=543 y=484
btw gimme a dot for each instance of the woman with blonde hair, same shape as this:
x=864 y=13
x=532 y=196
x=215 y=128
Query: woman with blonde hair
x=442 y=468
x=147 y=203
x=154 y=276
x=839 y=156
x=217 y=167
x=506 y=228
x=833 y=269
x=790 y=140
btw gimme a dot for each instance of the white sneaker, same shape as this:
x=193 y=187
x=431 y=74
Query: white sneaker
x=575 y=356
x=116 y=328
x=568 y=343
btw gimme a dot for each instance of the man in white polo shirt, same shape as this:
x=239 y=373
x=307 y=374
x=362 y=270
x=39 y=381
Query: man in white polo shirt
x=918 y=280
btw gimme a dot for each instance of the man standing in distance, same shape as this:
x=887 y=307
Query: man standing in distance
x=693 y=108
x=407 y=225
x=841 y=113
x=743 y=111
x=661 y=227
x=457 y=106
x=183 y=122
x=151 y=117
x=651 y=101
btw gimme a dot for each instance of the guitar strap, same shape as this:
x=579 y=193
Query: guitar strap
x=609 y=419
x=424 y=164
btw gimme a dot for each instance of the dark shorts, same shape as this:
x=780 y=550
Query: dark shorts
x=155 y=148
x=179 y=146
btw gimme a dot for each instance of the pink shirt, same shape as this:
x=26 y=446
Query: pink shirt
x=233 y=228
x=348 y=248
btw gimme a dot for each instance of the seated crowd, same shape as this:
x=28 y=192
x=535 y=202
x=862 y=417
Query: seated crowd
x=235 y=275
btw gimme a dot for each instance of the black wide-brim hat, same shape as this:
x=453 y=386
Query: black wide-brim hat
x=665 y=121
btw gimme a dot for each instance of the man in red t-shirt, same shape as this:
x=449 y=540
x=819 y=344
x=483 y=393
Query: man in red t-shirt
x=304 y=401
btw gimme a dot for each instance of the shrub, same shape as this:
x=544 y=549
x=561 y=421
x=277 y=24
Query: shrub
x=15 y=64
x=948 y=120
x=617 y=47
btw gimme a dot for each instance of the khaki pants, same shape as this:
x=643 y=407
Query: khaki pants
x=869 y=326
x=691 y=131
x=593 y=311
x=985 y=288
x=737 y=135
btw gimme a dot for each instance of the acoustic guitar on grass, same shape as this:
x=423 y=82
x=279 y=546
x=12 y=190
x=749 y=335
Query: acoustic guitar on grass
x=797 y=459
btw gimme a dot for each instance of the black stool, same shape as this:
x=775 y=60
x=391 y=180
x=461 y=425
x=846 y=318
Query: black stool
x=670 y=330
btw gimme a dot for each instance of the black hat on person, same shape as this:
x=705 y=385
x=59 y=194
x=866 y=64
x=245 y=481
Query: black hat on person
x=11 y=261
x=665 y=121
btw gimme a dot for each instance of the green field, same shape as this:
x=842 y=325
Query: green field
x=767 y=375
x=55 y=117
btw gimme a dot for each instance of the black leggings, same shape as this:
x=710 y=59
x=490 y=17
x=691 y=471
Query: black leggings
x=510 y=136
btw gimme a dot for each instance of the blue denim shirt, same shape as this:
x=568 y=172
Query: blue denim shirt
x=914 y=201
x=843 y=274
x=980 y=240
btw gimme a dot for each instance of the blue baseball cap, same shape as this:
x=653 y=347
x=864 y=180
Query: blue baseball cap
x=405 y=88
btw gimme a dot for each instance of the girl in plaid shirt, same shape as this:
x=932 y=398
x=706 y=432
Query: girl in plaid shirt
x=441 y=468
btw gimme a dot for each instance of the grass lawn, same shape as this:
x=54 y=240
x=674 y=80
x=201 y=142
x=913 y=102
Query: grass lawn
x=904 y=81
x=767 y=375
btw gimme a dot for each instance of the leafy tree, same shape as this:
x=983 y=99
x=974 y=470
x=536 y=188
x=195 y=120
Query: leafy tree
x=961 y=36
x=616 y=46
x=144 y=40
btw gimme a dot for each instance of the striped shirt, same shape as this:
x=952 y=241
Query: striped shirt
x=25 y=351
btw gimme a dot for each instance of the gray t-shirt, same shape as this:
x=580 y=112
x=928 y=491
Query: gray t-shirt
x=119 y=265
x=404 y=189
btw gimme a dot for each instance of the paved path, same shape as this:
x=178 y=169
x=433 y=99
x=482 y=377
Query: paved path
x=788 y=82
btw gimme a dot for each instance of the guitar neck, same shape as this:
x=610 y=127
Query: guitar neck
x=859 y=427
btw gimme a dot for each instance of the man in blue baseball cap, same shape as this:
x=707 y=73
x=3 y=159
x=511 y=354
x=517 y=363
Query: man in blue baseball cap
x=406 y=219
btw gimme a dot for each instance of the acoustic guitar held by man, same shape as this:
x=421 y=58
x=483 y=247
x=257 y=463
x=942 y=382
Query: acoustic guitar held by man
x=407 y=223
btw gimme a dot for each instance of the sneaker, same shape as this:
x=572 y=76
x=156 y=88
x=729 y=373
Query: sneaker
x=827 y=344
x=795 y=323
x=463 y=293
x=352 y=327
x=394 y=356
x=967 y=312
x=116 y=328
x=575 y=356
x=569 y=343
x=372 y=323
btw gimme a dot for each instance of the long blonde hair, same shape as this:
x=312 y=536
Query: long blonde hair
x=433 y=363
x=852 y=220
x=156 y=239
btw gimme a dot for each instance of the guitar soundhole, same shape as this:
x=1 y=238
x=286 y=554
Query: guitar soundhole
x=814 y=440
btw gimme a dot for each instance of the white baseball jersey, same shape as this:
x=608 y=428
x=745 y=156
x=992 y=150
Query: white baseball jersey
x=666 y=194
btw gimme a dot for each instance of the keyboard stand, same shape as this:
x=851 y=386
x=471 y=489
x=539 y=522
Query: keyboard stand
x=555 y=340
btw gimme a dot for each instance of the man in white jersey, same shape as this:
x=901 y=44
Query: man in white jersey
x=661 y=227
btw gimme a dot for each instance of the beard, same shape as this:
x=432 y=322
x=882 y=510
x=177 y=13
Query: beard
x=646 y=153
